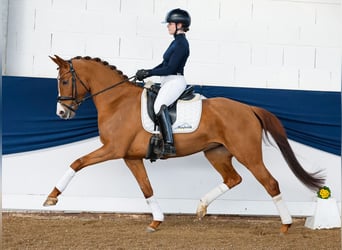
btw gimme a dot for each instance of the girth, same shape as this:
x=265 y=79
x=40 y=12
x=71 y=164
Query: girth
x=152 y=93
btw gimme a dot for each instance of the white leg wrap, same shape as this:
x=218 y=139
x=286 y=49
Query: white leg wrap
x=213 y=194
x=64 y=181
x=156 y=211
x=282 y=209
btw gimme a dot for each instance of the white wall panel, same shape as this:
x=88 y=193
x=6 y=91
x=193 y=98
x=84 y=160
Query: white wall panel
x=162 y=7
x=206 y=30
x=120 y=25
x=284 y=12
x=271 y=57
x=66 y=4
x=299 y=57
x=11 y=44
x=314 y=78
x=20 y=18
x=92 y=22
x=19 y=64
x=233 y=11
x=252 y=32
x=329 y=15
x=111 y=7
x=114 y=188
x=321 y=35
x=138 y=48
x=203 y=74
x=33 y=42
x=102 y=46
x=204 y=51
x=43 y=66
x=71 y=44
x=283 y=77
x=58 y=20
x=236 y=54
x=335 y=81
x=212 y=10
x=276 y=35
x=137 y=8
x=251 y=77
x=328 y=59
x=151 y=26
x=283 y=34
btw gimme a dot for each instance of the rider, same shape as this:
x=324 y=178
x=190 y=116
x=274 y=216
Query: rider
x=171 y=71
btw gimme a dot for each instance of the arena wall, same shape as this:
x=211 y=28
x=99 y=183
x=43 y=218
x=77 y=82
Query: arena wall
x=250 y=43
x=257 y=43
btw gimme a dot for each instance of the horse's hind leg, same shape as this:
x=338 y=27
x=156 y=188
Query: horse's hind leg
x=272 y=187
x=221 y=159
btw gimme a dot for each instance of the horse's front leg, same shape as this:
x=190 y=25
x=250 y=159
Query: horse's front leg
x=138 y=169
x=99 y=155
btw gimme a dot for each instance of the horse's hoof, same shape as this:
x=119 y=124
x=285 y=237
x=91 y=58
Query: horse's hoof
x=153 y=226
x=50 y=201
x=150 y=229
x=201 y=211
x=284 y=229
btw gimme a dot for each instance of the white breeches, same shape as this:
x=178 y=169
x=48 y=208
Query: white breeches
x=172 y=87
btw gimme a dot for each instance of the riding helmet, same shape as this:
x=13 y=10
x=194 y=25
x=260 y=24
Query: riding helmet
x=178 y=16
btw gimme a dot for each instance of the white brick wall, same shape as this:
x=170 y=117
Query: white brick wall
x=102 y=46
x=255 y=43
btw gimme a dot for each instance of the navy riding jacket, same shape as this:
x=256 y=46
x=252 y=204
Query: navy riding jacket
x=174 y=58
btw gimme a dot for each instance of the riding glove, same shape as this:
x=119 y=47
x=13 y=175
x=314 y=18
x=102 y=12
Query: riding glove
x=142 y=74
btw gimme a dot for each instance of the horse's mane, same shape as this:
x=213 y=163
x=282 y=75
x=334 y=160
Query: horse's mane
x=99 y=60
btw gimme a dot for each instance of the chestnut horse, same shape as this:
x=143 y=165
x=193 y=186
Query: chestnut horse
x=227 y=129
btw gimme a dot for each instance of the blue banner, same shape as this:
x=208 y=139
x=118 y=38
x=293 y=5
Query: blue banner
x=29 y=120
x=312 y=118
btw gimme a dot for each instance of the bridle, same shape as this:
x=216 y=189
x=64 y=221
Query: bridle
x=77 y=102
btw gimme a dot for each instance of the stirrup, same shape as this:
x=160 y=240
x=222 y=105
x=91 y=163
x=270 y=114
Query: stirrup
x=169 y=150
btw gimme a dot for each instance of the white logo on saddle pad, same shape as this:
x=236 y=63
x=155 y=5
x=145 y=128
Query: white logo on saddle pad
x=188 y=115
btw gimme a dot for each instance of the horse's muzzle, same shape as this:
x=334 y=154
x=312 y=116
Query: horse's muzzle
x=64 y=113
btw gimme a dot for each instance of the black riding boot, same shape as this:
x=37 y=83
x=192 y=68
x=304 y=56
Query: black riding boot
x=166 y=131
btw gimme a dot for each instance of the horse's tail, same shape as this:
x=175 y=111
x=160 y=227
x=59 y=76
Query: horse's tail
x=270 y=123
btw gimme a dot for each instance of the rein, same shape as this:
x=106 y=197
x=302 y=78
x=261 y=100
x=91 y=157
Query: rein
x=106 y=89
x=73 y=98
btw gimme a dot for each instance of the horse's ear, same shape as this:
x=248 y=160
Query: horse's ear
x=59 y=61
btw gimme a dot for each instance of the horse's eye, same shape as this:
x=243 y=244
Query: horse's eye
x=65 y=82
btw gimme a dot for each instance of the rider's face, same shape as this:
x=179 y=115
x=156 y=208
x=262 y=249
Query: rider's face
x=171 y=28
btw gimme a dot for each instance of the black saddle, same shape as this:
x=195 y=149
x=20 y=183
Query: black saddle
x=152 y=93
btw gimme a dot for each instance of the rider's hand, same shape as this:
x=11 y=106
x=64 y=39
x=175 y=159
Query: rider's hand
x=142 y=74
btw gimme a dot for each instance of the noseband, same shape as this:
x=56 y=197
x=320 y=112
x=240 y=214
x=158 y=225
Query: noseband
x=77 y=102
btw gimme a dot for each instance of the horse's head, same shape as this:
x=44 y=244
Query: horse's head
x=70 y=93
